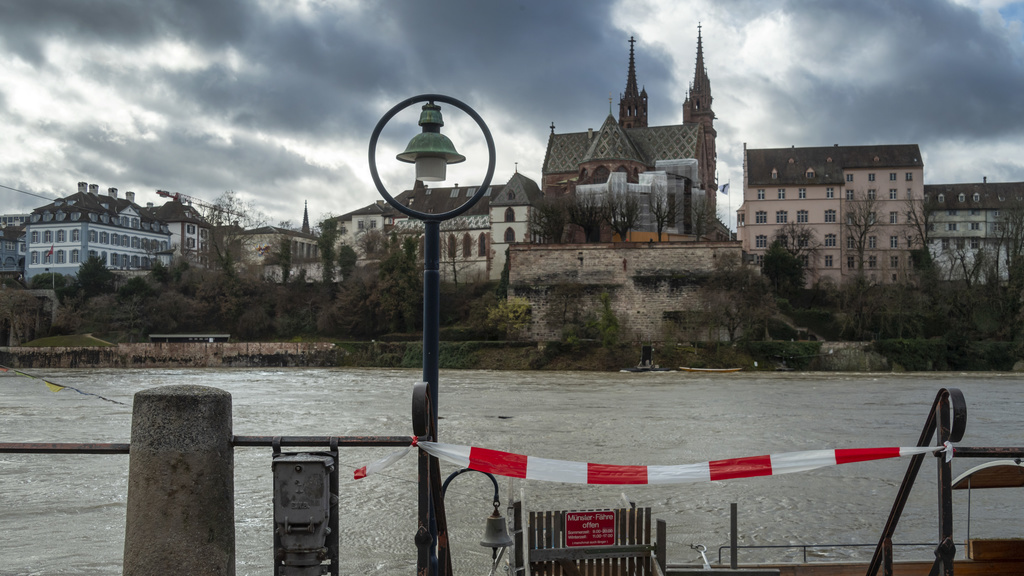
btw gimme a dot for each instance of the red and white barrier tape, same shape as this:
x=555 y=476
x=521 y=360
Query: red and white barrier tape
x=533 y=468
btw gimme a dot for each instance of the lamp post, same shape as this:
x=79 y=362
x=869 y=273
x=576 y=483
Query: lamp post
x=432 y=152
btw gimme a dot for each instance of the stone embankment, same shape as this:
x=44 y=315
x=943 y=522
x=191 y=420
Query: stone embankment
x=177 y=355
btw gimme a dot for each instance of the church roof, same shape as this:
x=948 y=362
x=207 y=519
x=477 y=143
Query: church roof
x=519 y=191
x=645 y=145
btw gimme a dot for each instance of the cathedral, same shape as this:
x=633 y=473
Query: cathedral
x=629 y=146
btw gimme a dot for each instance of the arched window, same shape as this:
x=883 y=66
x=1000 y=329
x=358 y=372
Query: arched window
x=467 y=246
x=600 y=175
x=510 y=214
x=510 y=235
x=481 y=245
x=74 y=256
x=451 y=246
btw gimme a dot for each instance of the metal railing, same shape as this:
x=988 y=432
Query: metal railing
x=804 y=547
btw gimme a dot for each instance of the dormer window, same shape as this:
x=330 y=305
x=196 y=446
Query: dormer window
x=775 y=174
x=961 y=198
x=809 y=173
x=977 y=197
x=942 y=198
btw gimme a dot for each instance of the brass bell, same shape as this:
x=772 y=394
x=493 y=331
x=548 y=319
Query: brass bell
x=495 y=532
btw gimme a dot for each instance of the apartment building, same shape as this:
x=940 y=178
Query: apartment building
x=968 y=221
x=850 y=205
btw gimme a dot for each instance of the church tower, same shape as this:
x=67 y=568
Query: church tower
x=632 y=104
x=697 y=108
x=305 y=218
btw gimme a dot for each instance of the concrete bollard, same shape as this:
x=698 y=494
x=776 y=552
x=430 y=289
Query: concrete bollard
x=181 y=510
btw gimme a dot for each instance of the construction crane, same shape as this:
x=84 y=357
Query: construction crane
x=193 y=201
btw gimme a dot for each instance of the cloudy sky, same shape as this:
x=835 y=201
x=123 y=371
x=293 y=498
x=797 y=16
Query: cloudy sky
x=276 y=99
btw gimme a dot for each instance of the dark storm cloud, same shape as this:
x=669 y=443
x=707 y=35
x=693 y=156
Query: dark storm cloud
x=918 y=73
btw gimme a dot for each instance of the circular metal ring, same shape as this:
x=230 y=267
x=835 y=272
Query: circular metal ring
x=373 y=157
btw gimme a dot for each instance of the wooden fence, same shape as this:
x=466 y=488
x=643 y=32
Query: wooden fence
x=631 y=553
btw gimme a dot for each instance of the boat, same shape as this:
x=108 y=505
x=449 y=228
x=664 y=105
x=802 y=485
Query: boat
x=689 y=369
x=647 y=362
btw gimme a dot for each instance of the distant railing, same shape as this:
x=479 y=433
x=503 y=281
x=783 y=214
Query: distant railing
x=804 y=547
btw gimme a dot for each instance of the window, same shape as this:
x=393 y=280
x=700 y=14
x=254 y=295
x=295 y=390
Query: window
x=104 y=238
x=850 y=262
x=894 y=217
x=871 y=194
x=190 y=228
x=830 y=215
x=782 y=193
x=809 y=173
x=849 y=219
x=35 y=237
x=781 y=217
x=951 y=212
x=892 y=176
x=48 y=236
x=872 y=241
x=849 y=177
x=830 y=240
x=74 y=256
x=190 y=243
x=975 y=243
x=115 y=240
x=481 y=245
x=760 y=193
x=828 y=261
x=62 y=236
x=975 y=212
x=801 y=216
x=467 y=246
x=894 y=261
x=872 y=261
x=849 y=242
x=941 y=198
x=92 y=236
x=510 y=214
x=945 y=243
x=910 y=176
x=960 y=243
x=60 y=256
x=47 y=257
x=510 y=236
x=361 y=225
x=761 y=217
x=76 y=235
x=975 y=226
x=373 y=224
x=894 y=241
x=741 y=219
x=872 y=217
x=849 y=193
x=951 y=226
x=35 y=257
x=135 y=242
x=995 y=213
x=977 y=197
x=830 y=193
x=893 y=195
x=805 y=260
x=961 y=198
x=452 y=249
x=802 y=193
x=761 y=241
x=775 y=174
x=871 y=177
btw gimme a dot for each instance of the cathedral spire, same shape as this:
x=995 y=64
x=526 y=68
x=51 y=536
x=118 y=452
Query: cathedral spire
x=305 y=218
x=633 y=103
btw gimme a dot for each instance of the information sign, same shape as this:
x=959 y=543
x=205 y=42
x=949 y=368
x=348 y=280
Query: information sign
x=590 y=528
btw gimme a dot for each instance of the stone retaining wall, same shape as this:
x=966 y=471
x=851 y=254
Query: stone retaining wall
x=177 y=354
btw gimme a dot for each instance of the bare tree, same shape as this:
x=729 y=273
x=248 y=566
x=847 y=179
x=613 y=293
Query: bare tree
x=702 y=215
x=587 y=212
x=622 y=212
x=372 y=244
x=660 y=206
x=549 y=218
x=799 y=240
x=861 y=223
x=920 y=218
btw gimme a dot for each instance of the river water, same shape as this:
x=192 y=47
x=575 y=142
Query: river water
x=64 y=514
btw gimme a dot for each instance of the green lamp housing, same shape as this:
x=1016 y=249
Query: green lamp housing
x=430 y=150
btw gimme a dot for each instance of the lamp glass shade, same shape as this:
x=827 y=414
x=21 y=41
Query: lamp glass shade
x=431 y=168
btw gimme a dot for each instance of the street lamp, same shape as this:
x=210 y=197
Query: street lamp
x=431 y=151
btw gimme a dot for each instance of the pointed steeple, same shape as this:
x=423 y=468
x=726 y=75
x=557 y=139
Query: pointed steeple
x=305 y=218
x=699 y=98
x=633 y=103
x=697 y=109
